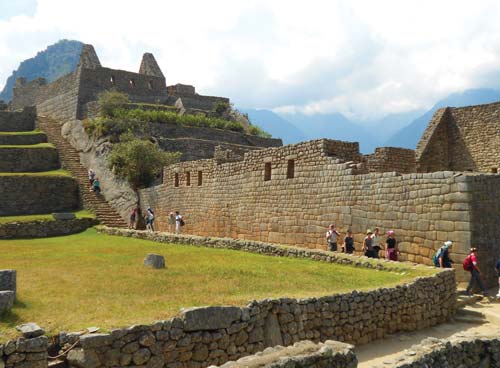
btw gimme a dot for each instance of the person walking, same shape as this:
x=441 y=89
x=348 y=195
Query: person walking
x=91 y=174
x=391 y=247
x=133 y=215
x=348 y=246
x=375 y=242
x=96 y=186
x=470 y=264
x=331 y=237
x=367 y=244
x=444 y=256
x=150 y=218
x=179 y=222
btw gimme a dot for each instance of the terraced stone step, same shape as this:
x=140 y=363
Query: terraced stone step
x=29 y=158
x=22 y=138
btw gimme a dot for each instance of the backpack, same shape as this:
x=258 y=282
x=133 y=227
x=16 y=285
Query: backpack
x=435 y=257
x=181 y=222
x=467 y=263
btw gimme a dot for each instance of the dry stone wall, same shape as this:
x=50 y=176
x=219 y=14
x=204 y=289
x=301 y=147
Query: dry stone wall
x=17 y=121
x=24 y=194
x=465 y=138
x=385 y=159
x=28 y=159
x=44 y=229
x=22 y=139
x=235 y=200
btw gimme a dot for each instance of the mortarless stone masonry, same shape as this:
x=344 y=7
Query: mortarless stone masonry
x=311 y=185
x=26 y=159
x=465 y=139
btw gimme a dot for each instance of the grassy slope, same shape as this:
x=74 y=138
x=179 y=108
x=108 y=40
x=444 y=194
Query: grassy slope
x=59 y=172
x=69 y=283
x=30 y=132
x=42 y=217
x=31 y=146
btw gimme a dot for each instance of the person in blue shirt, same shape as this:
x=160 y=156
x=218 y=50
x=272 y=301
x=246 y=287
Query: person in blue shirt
x=498 y=271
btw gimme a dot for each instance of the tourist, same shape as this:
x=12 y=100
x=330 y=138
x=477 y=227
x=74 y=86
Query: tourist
x=133 y=214
x=442 y=257
x=171 y=222
x=331 y=237
x=150 y=219
x=367 y=245
x=498 y=272
x=375 y=242
x=96 y=186
x=470 y=264
x=179 y=222
x=91 y=177
x=348 y=246
x=391 y=247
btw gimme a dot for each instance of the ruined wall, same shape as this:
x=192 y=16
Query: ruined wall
x=385 y=159
x=17 y=121
x=461 y=139
x=235 y=200
x=44 y=229
x=25 y=93
x=59 y=99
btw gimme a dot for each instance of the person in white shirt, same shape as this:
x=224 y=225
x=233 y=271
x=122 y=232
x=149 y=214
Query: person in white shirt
x=331 y=237
x=375 y=242
x=179 y=222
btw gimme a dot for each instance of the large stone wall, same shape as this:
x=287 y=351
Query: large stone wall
x=385 y=159
x=23 y=195
x=22 y=139
x=17 y=121
x=28 y=159
x=205 y=336
x=235 y=200
x=465 y=139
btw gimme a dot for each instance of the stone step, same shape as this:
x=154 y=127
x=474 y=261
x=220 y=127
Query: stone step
x=470 y=316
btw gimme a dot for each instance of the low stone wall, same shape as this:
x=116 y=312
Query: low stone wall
x=25 y=353
x=44 y=229
x=330 y=354
x=17 y=121
x=23 y=139
x=29 y=159
x=28 y=194
x=460 y=350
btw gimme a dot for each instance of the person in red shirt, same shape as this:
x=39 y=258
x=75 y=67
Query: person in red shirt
x=475 y=273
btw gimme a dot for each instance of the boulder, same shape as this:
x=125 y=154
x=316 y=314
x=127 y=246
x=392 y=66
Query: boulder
x=64 y=216
x=155 y=261
x=209 y=318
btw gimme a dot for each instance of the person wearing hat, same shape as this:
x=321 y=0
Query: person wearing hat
x=368 y=245
x=444 y=256
x=470 y=264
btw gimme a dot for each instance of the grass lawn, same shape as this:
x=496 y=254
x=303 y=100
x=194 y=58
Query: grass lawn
x=59 y=172
x=88 y=279
x=43 y=217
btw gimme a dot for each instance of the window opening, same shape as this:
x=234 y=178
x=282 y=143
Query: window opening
x=176 y=179
x=290 y=170
x=200 y=178
x=267 y=171
x=188 y=178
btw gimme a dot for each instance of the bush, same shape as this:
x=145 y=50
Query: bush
x=221 y=107
x=109 y=101
x=139 y=161
x=255 y=130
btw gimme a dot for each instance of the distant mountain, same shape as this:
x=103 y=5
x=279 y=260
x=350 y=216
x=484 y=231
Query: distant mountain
x=409 y=136
x=275 y=125
x=57 y=60
x=390 y=124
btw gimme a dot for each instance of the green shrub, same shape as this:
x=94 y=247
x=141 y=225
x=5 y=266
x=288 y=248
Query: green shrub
x=109 y=101
x=139 y=161
x=256 y=130
x=220 y=107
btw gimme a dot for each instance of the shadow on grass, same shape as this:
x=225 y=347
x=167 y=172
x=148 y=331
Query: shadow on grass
x=11 y=318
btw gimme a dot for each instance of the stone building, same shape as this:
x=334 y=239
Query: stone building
x=290 y=194
x=462 y=139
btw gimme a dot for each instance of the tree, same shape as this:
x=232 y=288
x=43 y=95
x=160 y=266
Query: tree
x=110 y=100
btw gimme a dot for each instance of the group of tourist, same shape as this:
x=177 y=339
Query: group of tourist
x=95 y=185
x=371 y=243
x=175 y=220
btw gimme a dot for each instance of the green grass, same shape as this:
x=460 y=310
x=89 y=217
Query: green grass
x=38 y=145
x=31 y=132
x=89 y=279
x=59 y=172
x=42 y=217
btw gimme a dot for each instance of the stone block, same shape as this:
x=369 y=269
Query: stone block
x=30 y=330
x=6 y=300
x=62 y=216
x=91 y=341
x=8 y=280
x=210 y=318
x=83 y=358
x=156 y=261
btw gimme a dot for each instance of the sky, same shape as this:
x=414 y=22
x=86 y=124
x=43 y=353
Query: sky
x=362 y=58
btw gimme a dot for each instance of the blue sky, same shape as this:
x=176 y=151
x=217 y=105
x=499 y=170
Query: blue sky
x=362 y=58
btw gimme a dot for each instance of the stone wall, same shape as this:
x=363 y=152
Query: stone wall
x=214 y=335
x=465 y=139
x=27 y=194
x=59 y=99
x=460 y=350
x=25 y=93
x=28 y=159
x=235 y=200
x=26 y=352
x=17 y=121
x=8 y=290
x=22 y=139
x=44 y=229
x=385 y=159
x=331 y=354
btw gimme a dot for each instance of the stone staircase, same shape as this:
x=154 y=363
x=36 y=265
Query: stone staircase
x=70 y=160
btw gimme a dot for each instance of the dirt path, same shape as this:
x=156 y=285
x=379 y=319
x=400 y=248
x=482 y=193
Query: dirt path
x=381 y=351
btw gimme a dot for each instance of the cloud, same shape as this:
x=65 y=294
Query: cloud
x=362 y=58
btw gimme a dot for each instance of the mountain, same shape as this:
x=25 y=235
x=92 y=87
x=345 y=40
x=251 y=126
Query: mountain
x=409 y=136
x=275 y=125
x=54 y=62
x=390 y=124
